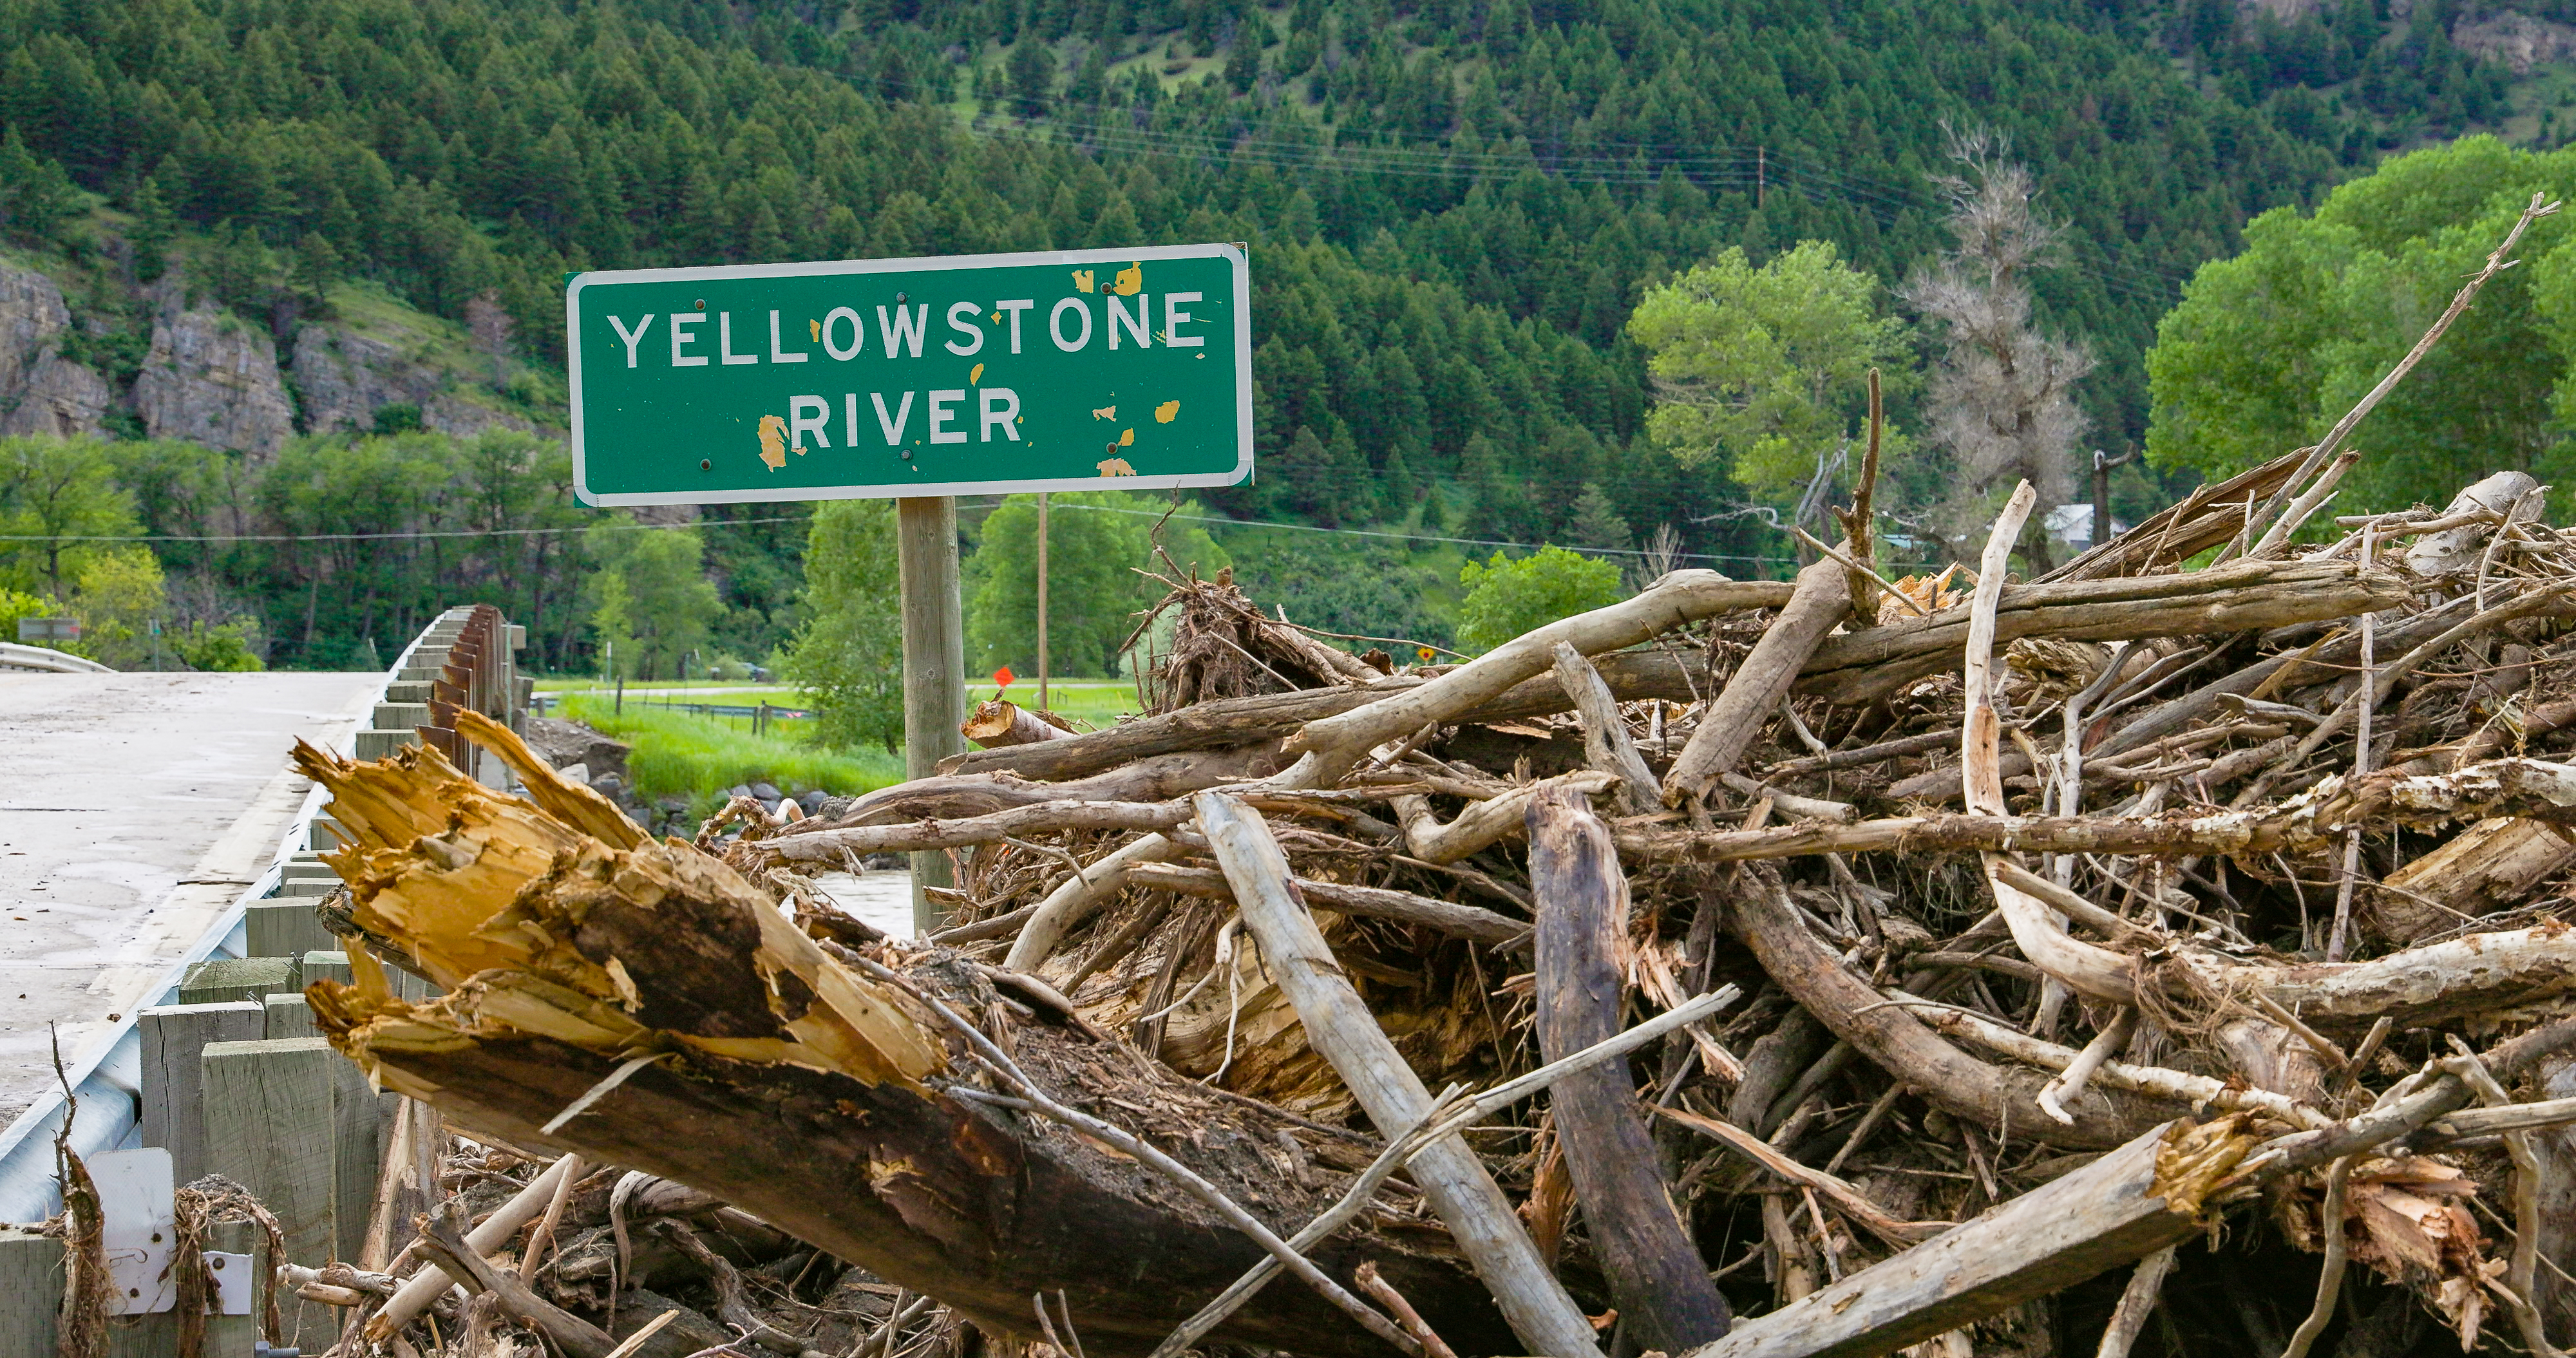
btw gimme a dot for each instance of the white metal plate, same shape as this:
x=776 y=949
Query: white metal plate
x=233 y=1283
x=138 y=1228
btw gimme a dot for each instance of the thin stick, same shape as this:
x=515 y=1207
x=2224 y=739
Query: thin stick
x=1046 y=1326
x=2137 y=1302
x=1868 y=1123
x=2070 y=773
x=2521 y=1273
x=1857 y=568
x=2330 y=1275
x=2069 y=1083
x=2337 y=940
x=1433 y=1346
x=883 y=1336
x=543 y=1236
x=652 y=1327
x=1851 y=1200
x=2496 y=263
x=599 y=1091
x=2305 y=507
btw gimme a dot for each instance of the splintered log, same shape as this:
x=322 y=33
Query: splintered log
x=1655 y=1272
x=2139 y=1199
x=760 y=1068
x=2484 y=867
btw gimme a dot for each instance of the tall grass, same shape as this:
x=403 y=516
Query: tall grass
x=698 y=757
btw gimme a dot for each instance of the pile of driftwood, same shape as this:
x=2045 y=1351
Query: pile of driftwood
x=2160 y=956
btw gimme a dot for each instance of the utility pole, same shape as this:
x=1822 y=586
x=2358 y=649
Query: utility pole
x=1043 y=705
x=934 y=666
x=1761 y=174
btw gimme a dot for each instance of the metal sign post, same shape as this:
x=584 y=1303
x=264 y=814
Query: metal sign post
x=915 y=380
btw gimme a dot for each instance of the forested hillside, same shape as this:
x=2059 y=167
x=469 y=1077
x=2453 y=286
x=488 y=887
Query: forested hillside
x=1454 y=203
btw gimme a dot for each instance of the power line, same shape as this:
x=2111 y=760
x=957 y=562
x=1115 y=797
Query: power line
x=1420 y=537
x=1644 y=164
x=608 y=526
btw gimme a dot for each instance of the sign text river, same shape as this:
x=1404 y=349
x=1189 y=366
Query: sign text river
x=912 y=377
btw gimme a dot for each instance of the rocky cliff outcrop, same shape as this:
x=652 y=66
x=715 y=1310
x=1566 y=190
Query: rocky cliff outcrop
x=41 y=392
x=343 y=377
x=2516 y=39
x=212 y=379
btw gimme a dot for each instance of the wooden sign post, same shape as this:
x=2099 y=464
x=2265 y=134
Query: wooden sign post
x=915 y=380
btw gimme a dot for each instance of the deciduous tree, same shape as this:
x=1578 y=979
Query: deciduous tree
x=848 y=656
x=1763 y=366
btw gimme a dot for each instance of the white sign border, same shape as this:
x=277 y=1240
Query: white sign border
x=1234 y=253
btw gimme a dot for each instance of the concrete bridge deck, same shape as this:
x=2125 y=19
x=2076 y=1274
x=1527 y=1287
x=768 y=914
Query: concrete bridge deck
x=134 y=809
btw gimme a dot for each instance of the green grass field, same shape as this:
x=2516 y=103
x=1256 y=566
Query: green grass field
x=698 y=757
x=1090 y=704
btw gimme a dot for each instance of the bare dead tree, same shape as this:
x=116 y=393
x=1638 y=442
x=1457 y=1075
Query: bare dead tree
x=2002 y=397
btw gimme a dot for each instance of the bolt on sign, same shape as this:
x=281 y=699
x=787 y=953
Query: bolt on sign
x=960 y=375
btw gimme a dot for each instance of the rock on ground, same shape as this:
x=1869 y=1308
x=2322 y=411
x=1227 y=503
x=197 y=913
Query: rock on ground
x=566 y=743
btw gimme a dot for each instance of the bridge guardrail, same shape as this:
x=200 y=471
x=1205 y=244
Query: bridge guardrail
x=467 y=657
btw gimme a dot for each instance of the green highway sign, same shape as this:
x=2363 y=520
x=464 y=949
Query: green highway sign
x=962 y=375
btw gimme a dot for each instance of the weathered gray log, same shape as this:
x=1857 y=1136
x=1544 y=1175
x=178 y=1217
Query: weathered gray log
x=2237 y=597
x=1340 y=1028
x=1607 y=746
x=1439 y=916
x=1655 y=1273
x=1678 y=598
x=2140 y=1198
x=1893 y=1038
x=1730 y=723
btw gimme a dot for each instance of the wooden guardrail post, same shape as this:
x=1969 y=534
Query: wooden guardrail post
x=31 y=1282
x=174 y=1041
x=295 y=1123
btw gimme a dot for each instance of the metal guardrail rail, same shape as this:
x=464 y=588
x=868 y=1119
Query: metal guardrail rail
x=46 y=659
x=466 y=658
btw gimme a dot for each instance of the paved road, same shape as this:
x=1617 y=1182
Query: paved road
x=133 y=809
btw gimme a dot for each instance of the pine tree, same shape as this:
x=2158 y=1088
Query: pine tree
x=35 y=194
x=233 y=267
x=316 y=268
x=1596 y=523
x=1032 y=71
x=155 y=229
